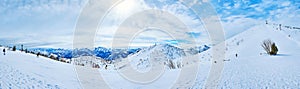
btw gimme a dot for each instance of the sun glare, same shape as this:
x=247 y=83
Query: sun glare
x=126 y=6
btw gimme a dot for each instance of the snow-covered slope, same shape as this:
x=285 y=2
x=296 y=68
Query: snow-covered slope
x=19 y=70
x=163 y=54
x=167 y=52
x=289 y=31
x=293 y=34
x=253 y=68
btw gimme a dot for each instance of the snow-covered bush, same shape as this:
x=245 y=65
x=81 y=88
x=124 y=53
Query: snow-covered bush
x=270 y=47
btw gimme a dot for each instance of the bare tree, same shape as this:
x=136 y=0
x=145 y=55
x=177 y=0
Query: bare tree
x=267 y=45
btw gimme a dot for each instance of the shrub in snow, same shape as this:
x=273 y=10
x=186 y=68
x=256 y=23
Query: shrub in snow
x=64 y=60
x=274 y=49
x=54 y=57
x=270 y=47
x=173 y=64
x=26 y=51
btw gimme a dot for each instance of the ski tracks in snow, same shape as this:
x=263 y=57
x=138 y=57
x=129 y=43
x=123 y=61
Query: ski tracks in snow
x=12 y=78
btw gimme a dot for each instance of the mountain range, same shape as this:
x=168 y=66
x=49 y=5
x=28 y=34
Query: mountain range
x=171 y=51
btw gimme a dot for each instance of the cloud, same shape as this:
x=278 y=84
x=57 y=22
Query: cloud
x=112 y=23
x=238 y=24
x=194 y=34
x=39 y=23
x=238 y=16
x=52 y=23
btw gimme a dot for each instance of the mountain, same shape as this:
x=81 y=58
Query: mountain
x=161 y=54
x=166 y=50
x=199 y=49
x=104 y=53
x=170 y=51
x=64 y=53
x=112 y=54
x=82 y=52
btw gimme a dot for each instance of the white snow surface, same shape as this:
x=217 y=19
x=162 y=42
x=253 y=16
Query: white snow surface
x=252 y=68
x=19 y=70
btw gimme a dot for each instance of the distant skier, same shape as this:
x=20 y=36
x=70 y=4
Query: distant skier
x=38 y=54
x=4 y=51
x=106 y=67
x=22 y=48
x=279 y=26
x=236 y=55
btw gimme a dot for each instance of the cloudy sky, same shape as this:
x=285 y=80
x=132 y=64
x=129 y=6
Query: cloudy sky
x=52 y=23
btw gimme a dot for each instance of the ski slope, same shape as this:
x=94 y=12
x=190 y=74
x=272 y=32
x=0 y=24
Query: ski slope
x=19 y=70
x=252 y=68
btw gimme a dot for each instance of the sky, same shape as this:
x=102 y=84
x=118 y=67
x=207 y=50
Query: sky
x=52 y=23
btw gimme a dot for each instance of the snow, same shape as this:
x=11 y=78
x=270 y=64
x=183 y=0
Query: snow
x=255 y=69
x=252 y=68
x=21 y=70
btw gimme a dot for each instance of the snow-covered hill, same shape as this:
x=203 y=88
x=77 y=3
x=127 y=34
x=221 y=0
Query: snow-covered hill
x=246 y=65
x=253 y=68
x=162 y=54
x=19 y=70
x=165 y=54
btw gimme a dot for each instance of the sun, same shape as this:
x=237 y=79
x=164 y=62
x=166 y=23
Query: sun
x=125 y=6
